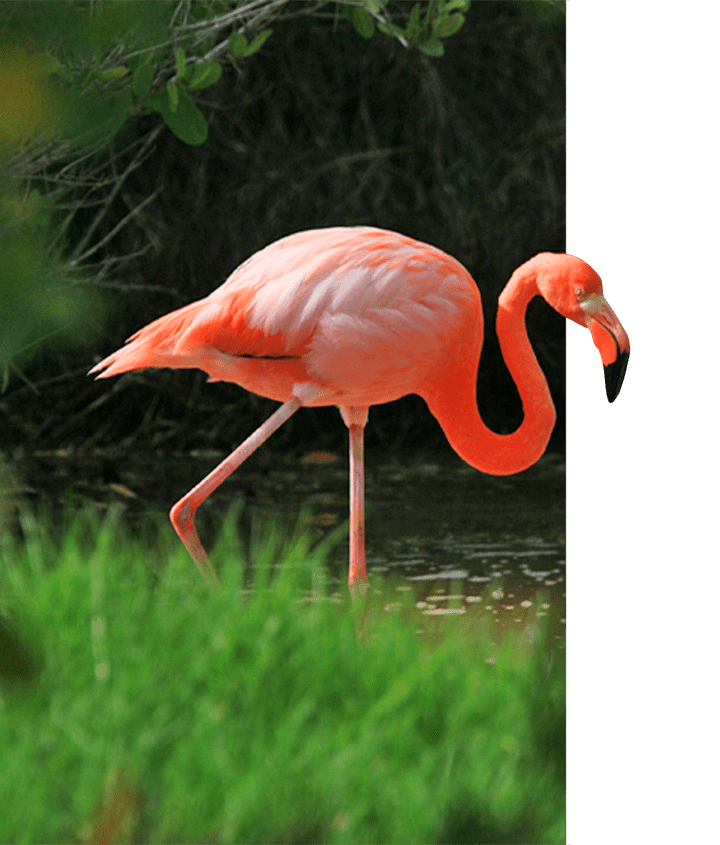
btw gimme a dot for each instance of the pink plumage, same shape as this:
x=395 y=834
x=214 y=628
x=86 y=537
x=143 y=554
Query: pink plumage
x=361 y=312
x=360 y=316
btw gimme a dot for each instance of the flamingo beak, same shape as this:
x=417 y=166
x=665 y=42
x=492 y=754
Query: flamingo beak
x=615 y=374
x=611 y=340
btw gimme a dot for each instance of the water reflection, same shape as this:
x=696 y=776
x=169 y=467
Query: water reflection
x=459 y=541
x=466 y=543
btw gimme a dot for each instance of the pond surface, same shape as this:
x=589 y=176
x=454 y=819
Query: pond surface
x=460 y=541
x=464 y=542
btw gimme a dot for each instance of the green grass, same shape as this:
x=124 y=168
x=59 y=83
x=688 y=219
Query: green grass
x=166 y=712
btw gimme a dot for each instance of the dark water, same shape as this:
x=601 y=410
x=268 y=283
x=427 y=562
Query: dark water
x=467 y=543
x=458 y=541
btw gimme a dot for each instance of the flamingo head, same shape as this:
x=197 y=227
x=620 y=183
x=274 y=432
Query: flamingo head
x=574 y=290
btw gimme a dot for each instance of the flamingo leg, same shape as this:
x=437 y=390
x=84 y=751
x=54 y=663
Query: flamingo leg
x=356 y=418
x=182 y=514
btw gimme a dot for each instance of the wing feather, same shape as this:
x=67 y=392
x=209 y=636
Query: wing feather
x=358 y=305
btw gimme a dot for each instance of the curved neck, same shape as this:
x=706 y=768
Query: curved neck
x=454 y=403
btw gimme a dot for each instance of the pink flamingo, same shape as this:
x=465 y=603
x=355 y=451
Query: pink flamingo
x=358 y=316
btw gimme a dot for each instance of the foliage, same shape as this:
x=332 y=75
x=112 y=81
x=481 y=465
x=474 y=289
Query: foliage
x=426 y=31
x=272 y=711
x=117 y=60
x=424 y=28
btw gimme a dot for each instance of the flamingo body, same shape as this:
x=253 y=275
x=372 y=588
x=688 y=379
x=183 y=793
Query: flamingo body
x=366 y=315
x=360 y=316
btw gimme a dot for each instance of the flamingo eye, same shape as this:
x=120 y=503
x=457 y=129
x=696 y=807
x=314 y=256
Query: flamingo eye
x=578 y=291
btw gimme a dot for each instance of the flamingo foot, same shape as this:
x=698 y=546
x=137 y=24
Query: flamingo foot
x=182 y=516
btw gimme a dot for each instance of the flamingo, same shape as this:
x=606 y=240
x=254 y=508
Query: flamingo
x=358 y=316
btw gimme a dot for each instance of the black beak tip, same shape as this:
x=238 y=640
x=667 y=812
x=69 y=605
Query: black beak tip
x=614 y=375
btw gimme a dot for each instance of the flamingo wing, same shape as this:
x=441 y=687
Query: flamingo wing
x=362 y=312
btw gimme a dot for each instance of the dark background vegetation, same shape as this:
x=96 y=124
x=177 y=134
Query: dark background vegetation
x=322 y=128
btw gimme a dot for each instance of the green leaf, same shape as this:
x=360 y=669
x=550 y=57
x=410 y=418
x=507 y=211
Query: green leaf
x=180 y=64
x=391 y=29
x=97 y=115
x=257 y=42
x=110 y=74
x=156 y=101
x=238 y=45
x=120 y=107
x=143 y=79
x=448 y=26
x=363 y=22
x=413 y=27
x=173 y=96
x=432 y=47
x=204 y=74
x=186 y=121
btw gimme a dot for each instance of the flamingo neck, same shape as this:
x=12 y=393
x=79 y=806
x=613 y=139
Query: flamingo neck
x=455 y=404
